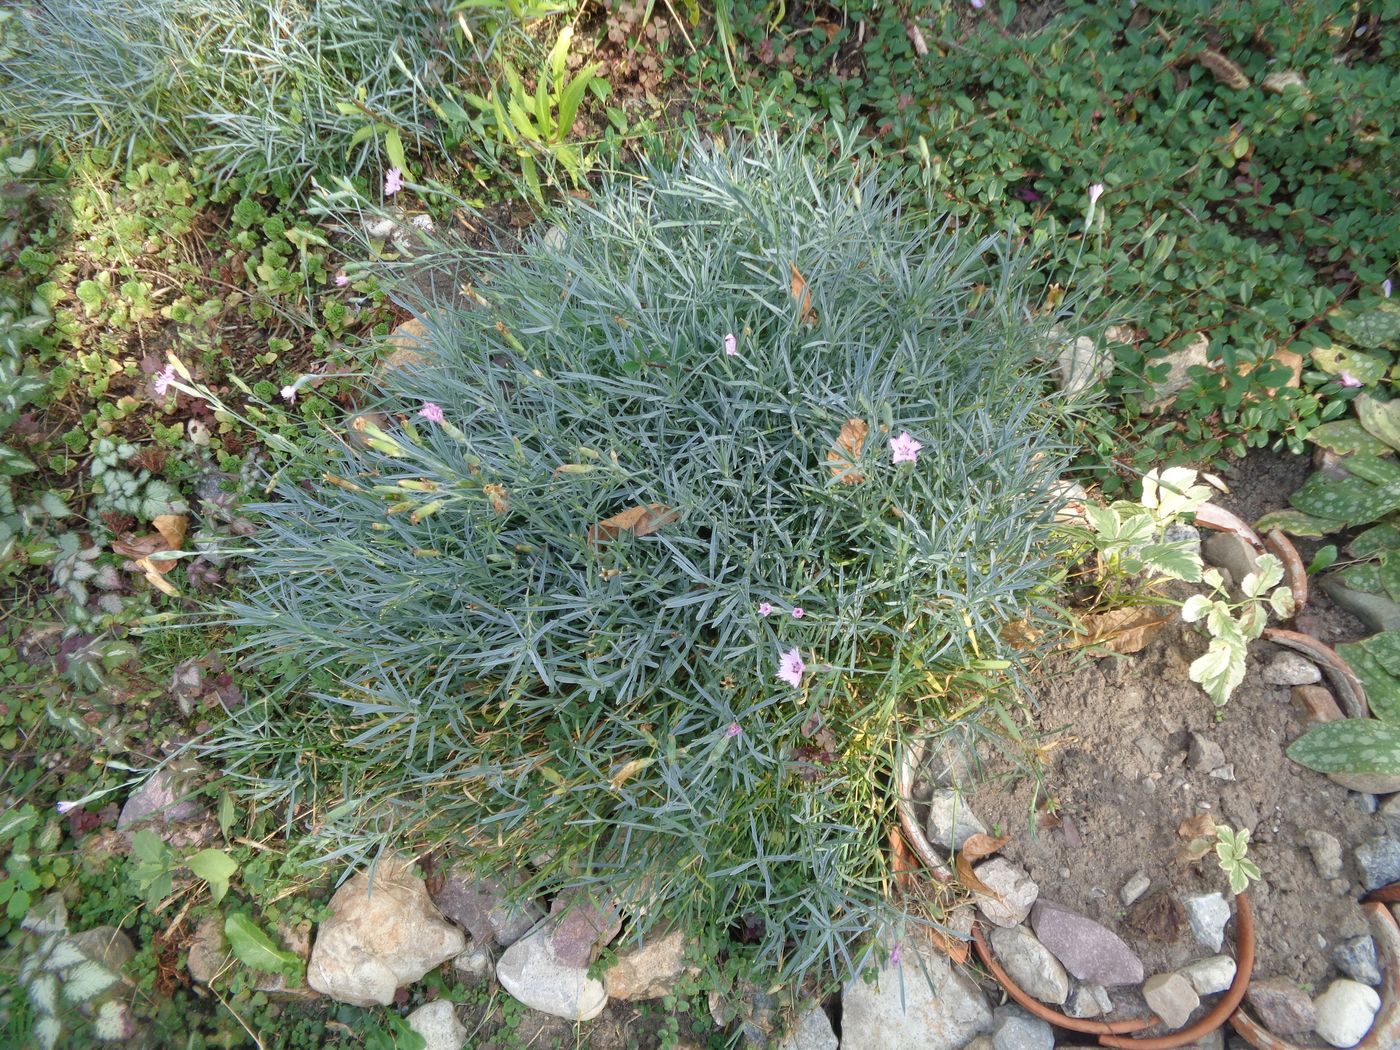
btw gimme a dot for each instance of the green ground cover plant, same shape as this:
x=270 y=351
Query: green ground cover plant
x=696 y=507
x=1260 y=135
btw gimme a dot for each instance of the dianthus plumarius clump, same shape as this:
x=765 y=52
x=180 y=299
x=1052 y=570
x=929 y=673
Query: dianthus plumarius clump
x=689 y=512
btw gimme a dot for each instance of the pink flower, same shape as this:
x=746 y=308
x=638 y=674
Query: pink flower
x=342 y=279
x=1095 y=192
x=765 y=608
x=798 y=612
x=163 y=381
x=733 y=729
x=731 y=345
x=1348 y=380
x=289 y=393
x=66 y=807
x=431 y=412
x=1386 y=287
x=393 y=182
x=979 y=4
x=905 y=448
x=790 y=668
x=894 y=954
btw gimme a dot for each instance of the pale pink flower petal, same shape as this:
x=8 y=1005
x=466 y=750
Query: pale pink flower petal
x=733 y=729
x=904 y=448
x=894 y=954
x=431 y=412
x=66 y=807
x=1095 y=192
x=798 y=612
x=342 y=279
x=289 y=393
x=1348 y=380
x=163 y=381
x=765 y=608
x=790 y=668
x=1386 y=287
x=731 y=345
x=393 y=182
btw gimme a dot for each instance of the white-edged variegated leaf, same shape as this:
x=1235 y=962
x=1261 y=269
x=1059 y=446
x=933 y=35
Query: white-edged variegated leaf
x=110 y=1023
x=1103 y=520
x=1282 y=602
x=1212 y=578
x=65 y=954
x=1220 y=670
x=50 y=915
x=46 y=1032
x=43 y=993
x=1268 y=573
x=87 y=981
x=1177 y=560
x=1195 y=607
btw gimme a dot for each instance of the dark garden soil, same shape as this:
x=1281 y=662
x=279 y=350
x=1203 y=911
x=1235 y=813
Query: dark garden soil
x=1119 y=780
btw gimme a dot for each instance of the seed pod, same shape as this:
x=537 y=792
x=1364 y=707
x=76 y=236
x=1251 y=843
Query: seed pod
x=1229 y=74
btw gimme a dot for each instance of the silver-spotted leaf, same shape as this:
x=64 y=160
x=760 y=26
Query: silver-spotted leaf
x=1347 y=437
x=1296 y=523
x=1373 y=328
x=1385 y=647
x=1352 y=745
x=1382 y=687
x=1380 y=418
x=1365 y=577
x=1369 y=368
x=1350 y=499
x=1378 y=538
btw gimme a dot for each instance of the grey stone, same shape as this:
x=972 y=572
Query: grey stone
x=951 y=821
x=1212 y=1041
x=1225 y=773
x=1183 y=534
x=1231 y=553
x=1356 y=957
x=1088 y=950
x=1376 y=611
x=1281 y=1006
x=1279 y=81
x=982 y=1042
x=1210 y=975
x=902 y=1010
x=1134 y=888
x=1389 y=812
x=530 y=972
x=1207 y=914
x=382 y=934
x=1171 y=998
x=437 y=1023
x=1326 y=852
x=474 y=962
x=1345 y=1012
x=1179 y=365
x=649 y=970
x=1015 y=1029
x=1012 y=885
x=581 y=924
x=1088 y=1000
x=105 y=945
x=1379 y=862
x=1152 y=749
x=1290 y=668
x=1204 y=753
x=165 y=803
x=813 y=1032
x=1083 y=364
x=481 y=907
x=1030 y=964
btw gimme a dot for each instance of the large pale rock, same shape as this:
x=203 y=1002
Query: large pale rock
x=648 y=971
x=437 y=1023
x=1088 y=950
x=532 y=973
x=902 y=1010
x=481 y=907
x=1210 y=975
x=1015 y=1029
x=1179 y=365
x=382 y=934
x=1014 y=889
x=1171 y=998
x=1207 y=914
x=1345 y=1012
x=1030 y=964
x=951 y=821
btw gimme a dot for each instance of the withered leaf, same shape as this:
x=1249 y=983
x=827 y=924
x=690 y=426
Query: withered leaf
x=129 y=546
x=1123 y=631
x=979 y=846
x=798 y=287
x=1202 y=825
x=628 y=771
x=844 y=455
x=963 y=866
x=1224 y=70
x=641 y=520
x=1159 y=917
x=173 y=528
x=497 y=495
x=154 y=577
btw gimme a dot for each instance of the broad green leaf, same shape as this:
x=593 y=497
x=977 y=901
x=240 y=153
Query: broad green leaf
x=253 y=948
x=1378 y=538
x=215 y=867
x=1373 y=329
x=1382 y=687
x=227 y=812
x=1296 y=523
x=1380 y=418
x=393 y=146
x=1353 y=745
x=1347 y=437
x=1385 y=647
x=1365 y=576
x=1369 y=368
x=1350 y=499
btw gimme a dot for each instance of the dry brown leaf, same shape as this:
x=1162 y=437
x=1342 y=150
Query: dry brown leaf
x=798 y=288
x=1019 y=634
x=844 y=455
x=965 y=876
x=1225 y=71
x=641 y=520
x=628 y=771
x=979 y=846
x=154 y=577
x=497 y=495
x=1123 y=631
x=173 y=528
x=407 y=342
x=1202 y=825
x=129 y=546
